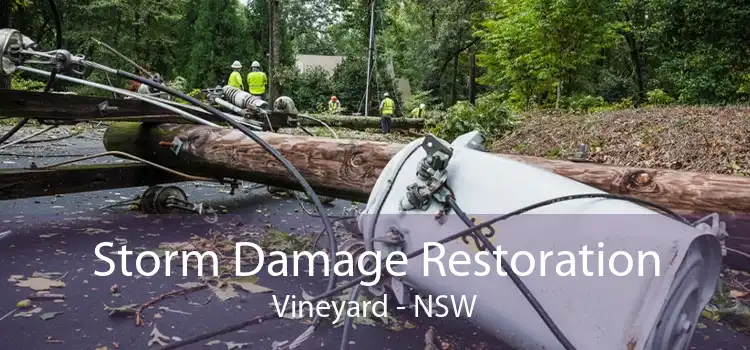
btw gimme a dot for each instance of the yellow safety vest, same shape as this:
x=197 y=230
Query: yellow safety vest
x=235 y=80
x=387 y=107
x=256 y=82
x=417 y=112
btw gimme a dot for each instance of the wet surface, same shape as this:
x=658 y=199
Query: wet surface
x=60 y=234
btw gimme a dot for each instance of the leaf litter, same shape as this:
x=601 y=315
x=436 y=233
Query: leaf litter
x=49 y=315
x=702 y=139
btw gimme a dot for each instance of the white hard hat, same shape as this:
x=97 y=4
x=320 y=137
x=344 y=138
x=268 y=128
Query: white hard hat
x=421 y=105
x=385 y=94
x=255 y=64
x=236 y=64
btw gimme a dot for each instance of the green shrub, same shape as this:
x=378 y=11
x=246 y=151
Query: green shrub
x=19 y=83
x=585 y=103
x=490 y=116
x=658 y=97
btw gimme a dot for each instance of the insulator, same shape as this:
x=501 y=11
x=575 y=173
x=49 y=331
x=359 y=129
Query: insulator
x=243 y=99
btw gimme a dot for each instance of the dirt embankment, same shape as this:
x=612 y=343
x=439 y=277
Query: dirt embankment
x=702 y=139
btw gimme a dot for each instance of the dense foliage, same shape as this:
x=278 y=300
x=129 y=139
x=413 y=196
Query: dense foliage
x=571 y=54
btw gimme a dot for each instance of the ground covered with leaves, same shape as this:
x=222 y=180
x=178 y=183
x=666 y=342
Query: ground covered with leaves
x=703 y=139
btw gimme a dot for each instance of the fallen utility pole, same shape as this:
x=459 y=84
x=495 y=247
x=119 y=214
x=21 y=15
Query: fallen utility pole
x=26 y=183
x=348 y=169
x=362 y=123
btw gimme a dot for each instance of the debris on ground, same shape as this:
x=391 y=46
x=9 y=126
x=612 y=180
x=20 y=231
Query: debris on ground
x=730 y=304
x=157 y=338
x=702 y=139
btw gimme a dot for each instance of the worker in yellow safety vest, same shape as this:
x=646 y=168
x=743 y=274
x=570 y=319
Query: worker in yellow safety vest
x=256 y=81
x=334 y=105
x=235 y=79
x=417 y=112
x=386 y=113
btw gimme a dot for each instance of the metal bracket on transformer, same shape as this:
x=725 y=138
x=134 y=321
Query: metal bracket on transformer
x=431 y=176
x=716 y=227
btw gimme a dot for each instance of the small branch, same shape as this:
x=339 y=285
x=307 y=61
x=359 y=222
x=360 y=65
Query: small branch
x=182 y=291
x=225 y=330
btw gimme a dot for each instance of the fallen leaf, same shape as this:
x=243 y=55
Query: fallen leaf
x=47 y=274
x=224 y=292
x=213 y=342
x=157 y=337
x=114 y=289
x=737 y=294
x=102 y=348
x=28 y=313
x=248 y=284
x=232 y=345
x=175 y=246
x=24 y=304
x=15 y=278
x=50 y=235
x=49 y=315
x=700 y=325
x=189 y=285
x=90 y=231
x=39 y=283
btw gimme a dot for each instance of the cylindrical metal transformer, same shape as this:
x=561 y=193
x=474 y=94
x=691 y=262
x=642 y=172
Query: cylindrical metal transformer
x=592 y=298
x=243 y=99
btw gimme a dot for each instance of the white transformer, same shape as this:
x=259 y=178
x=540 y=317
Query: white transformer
x=675 y=265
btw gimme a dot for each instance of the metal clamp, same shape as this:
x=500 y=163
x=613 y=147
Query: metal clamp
x=717 y=228
x=431 y=176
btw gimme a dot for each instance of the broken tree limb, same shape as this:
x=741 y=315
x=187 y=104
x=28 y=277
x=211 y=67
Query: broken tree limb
x=362 y=123
x=348 y=169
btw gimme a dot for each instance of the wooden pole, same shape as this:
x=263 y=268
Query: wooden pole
x=349 y=168
x=362 y=123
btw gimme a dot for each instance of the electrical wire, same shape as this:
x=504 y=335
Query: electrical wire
x=21 y=140
x=513 y=277
x=275 y=153
x=738 y=252
x=52 y=139
x=132 y=157
x=10 y=154
x=355 y=292
x=476 y=230
x=336 y=136
x=181 y=112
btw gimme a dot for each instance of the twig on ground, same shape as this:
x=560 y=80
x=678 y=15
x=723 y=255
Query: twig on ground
x=176 y=292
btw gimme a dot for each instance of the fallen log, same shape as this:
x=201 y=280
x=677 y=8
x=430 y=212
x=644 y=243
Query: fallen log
x=362 y=123
x=348 y=169
x=27 y=183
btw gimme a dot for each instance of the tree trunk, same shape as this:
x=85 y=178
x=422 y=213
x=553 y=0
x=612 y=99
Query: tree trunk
x=4 y=23
x=348 y=168
x=455 y=78
x=472 y=75
x=634 y=49
x=275 y=59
